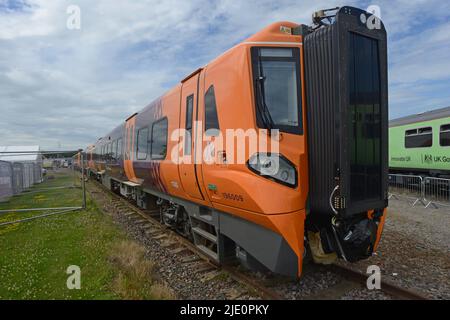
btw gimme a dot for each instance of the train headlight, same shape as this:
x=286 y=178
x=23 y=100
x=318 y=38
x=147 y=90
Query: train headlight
x=274 y=167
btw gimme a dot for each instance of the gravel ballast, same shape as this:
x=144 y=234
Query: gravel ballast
x=413 y=253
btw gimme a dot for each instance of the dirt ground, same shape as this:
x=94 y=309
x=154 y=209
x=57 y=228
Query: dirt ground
x=431 y=225
x=414 y=251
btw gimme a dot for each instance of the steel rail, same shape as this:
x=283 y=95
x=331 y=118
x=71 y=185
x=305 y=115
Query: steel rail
x=386 y=286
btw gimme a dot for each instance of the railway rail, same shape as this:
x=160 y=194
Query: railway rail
x=386 y=286
x=262 y=287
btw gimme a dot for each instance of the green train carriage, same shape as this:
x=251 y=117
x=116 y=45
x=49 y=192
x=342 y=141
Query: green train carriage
x=420 y=144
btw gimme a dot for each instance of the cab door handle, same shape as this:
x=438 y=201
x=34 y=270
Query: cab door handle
x=222 y=158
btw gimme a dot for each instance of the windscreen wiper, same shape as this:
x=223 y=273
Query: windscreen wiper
x=264 y=111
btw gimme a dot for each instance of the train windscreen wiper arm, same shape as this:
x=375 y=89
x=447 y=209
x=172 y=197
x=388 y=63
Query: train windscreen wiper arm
x=266 y=117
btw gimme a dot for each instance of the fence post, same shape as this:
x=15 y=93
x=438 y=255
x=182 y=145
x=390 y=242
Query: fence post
x=83 y=182
x=74 y=174
x=421 y=199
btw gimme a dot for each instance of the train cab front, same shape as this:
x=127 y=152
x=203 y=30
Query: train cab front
x=347 y=133
x=319 y=169
x=324 y=89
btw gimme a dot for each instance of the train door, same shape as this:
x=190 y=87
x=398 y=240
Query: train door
x=189 y=105
x=129 y=144
x=212 y=149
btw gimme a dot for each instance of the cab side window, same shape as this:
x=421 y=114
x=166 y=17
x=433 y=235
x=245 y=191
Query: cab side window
x=211 y=119
x=188 y=138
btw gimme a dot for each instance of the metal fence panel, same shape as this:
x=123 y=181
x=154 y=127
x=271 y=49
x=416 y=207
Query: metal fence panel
x=26 y=183
x=406 y=186
x=426 y=190
x=436 y=191
x=27 y=180
x=31 y=173
x=18 y=178
x=6 y=186
x=37 y=170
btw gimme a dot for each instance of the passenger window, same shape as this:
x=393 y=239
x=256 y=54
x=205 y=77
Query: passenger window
x=211 y=119
x=114 y=150
x=445 y=136
x=419 y=138
x=119 y=149
x=188 y=138
x=142 y=144
x=159 y=140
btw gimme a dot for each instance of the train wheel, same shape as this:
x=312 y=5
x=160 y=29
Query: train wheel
x=185 y=226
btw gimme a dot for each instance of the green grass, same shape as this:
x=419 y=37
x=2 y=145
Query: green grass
x=34 y=255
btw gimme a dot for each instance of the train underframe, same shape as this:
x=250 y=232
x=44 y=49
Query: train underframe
x=224 y=238
x=228 y=239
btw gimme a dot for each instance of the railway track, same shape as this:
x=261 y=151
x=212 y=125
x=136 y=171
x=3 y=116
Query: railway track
x=396 y=292
x=264 y=288
x=179 y=245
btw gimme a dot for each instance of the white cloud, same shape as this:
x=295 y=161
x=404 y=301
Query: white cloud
x=38 y=18
x=423 y=56
x=72 y=86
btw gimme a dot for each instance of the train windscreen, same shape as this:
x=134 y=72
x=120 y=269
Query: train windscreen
x=365 y=119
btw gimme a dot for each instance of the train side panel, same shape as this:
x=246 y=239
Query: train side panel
x=434 y=159
x=233 y=185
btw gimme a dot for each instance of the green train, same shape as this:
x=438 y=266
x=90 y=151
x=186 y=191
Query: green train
x=420 y=144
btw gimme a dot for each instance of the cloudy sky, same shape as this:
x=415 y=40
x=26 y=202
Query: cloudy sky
x=63 y=88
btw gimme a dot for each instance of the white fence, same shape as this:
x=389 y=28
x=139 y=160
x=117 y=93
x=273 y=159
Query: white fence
x=436 y=192
x=427 y=191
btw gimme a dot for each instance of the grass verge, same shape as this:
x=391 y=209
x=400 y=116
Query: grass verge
x=35 y=255
x=135 y=279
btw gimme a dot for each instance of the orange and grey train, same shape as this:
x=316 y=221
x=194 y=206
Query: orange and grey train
x=319 y=93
